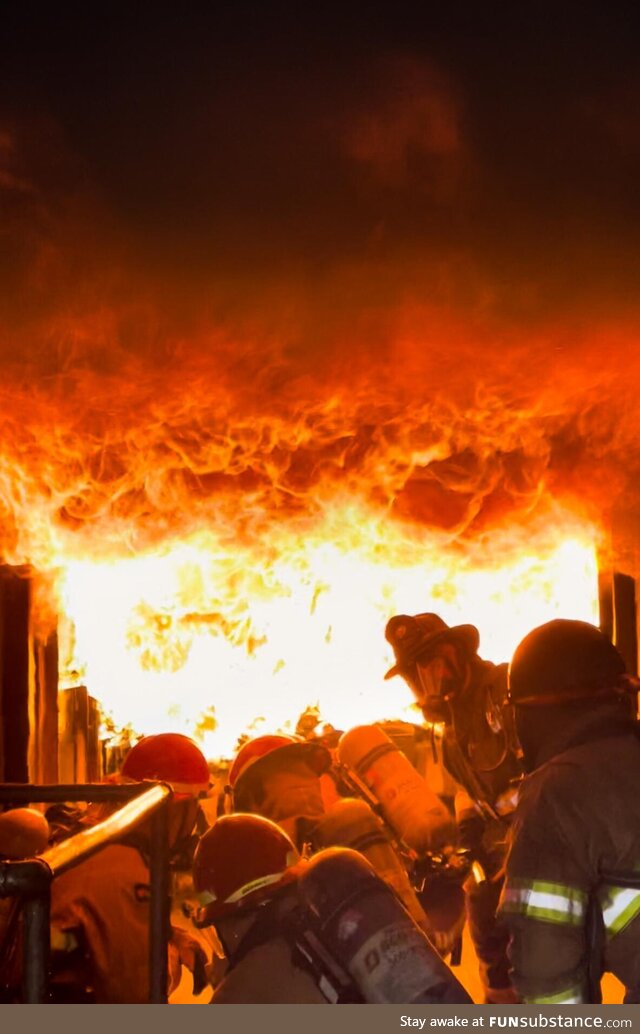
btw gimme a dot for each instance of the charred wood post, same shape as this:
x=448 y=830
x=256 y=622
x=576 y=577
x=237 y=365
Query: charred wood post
x=43 y=743
x=79 y=759
x=618 y=615
x=28 y=685
x=15 y=596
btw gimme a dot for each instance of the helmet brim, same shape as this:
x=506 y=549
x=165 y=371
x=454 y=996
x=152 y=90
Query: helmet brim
x=315 y=755
x=467 y=635
x=215 y=910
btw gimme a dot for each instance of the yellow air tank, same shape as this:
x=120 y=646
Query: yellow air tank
x=351 y=823
x=412 y=810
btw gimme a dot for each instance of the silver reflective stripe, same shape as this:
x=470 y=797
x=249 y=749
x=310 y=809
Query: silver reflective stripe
x=250 y=888
x=619 y=906
x=549 y=902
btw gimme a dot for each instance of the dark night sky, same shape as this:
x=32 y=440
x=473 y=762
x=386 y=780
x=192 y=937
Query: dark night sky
x=433 y=215
x=220 y=138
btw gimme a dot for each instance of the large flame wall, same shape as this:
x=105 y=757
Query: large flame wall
x=217 y=643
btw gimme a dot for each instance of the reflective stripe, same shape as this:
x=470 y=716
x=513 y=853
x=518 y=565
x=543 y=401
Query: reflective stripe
x=206 y=897
x=549 y=902
x=619 y=906
x=250 y=888
x=572 y=996
x=63 y=940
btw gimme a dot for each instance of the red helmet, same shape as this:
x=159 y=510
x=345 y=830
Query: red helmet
x=239 y=863
x=251 y=760
x=171 y=758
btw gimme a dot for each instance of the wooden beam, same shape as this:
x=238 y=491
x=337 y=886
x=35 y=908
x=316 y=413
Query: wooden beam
x=618 y=615
x=15 y=602
x=43 y=742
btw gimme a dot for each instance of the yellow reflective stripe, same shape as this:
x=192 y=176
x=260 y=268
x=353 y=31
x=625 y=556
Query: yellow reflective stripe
x=619 y=906
x=571 y=996
x=546 y=901
x=63 y=940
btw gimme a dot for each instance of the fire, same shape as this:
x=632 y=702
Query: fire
x=231 y=522
x=235 y=471
x=218 y=641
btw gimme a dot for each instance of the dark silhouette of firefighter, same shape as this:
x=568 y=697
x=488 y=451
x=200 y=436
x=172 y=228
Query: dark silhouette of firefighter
x=572 y=892
x=465 y=699
x=328 y=930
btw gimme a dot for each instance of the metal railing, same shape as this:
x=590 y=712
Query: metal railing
x=31 y=879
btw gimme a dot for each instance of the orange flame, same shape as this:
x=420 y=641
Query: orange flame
x=229 y=539
x=234 y=486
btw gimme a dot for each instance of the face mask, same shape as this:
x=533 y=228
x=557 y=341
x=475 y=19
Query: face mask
x=437 y=678
x=292 y=793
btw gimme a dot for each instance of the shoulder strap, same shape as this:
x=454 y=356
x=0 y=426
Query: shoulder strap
x=262 y=930
x=310 y=954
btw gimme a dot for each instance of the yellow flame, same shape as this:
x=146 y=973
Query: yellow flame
x=204 y=639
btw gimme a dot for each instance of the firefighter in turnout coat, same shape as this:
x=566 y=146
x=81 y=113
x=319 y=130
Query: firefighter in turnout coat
x=100 y=908
x=572 y=892
x=311 y=932
x=287 y=781
x=464 y=699
x=245 y=870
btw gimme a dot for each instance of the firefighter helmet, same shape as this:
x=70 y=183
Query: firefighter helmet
x=239 y=863
x=24 y=832
x=171 y=758
x=563 y=661
x=412 y=636
x=256 y=756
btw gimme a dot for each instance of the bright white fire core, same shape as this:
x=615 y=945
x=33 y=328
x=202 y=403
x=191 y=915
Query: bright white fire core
x=216 y=642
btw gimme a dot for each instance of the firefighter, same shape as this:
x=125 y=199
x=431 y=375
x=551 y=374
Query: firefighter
x=244 y=872
x=284 y=779
x=464 y=700
x=576 y=831
x=287 y=781
x=294 y=931
x=100 y=908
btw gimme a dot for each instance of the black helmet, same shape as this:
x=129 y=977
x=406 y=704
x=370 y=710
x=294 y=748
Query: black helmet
x=411 y=636
x=563 y=661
